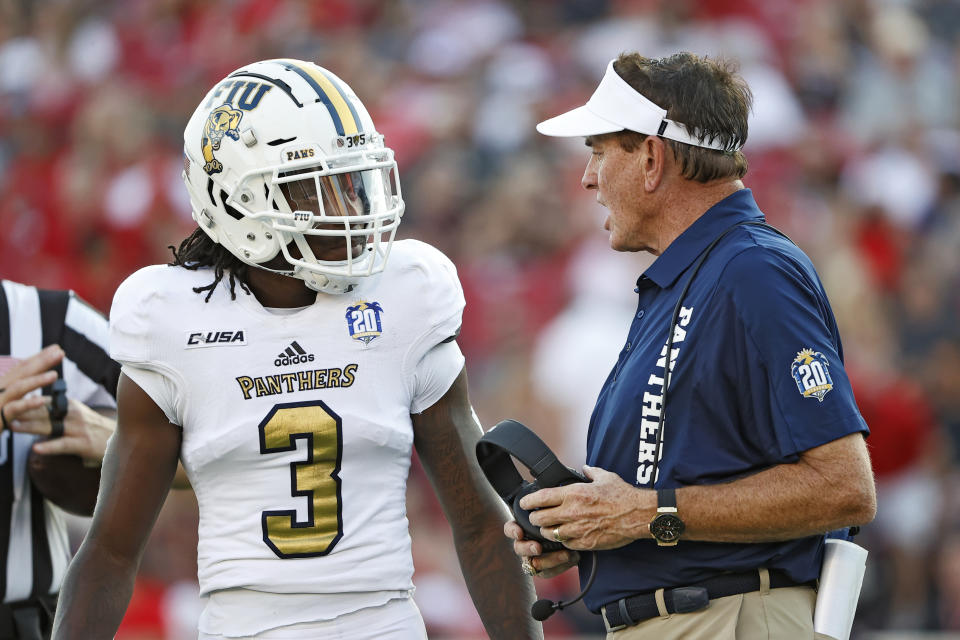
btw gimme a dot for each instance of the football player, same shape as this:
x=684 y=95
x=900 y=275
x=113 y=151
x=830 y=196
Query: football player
x=292 y=368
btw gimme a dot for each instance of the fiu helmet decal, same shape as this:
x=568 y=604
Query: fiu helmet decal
x=811 y=371
x=222 y=121
x=363 y=321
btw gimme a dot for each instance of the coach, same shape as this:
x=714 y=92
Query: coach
x=725 y=441
x=46 y=335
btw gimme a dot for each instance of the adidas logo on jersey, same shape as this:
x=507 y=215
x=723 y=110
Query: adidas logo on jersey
x=294 y=354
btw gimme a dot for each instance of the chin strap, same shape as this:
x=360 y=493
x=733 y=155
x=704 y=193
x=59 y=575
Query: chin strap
x=322 y=283
x=334 y=285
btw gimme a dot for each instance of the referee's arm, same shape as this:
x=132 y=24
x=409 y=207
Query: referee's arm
x=75 y=337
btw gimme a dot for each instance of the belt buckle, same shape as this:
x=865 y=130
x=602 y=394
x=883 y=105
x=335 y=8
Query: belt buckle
x=606 y=622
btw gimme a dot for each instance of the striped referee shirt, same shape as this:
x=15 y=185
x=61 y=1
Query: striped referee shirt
x=34 y=550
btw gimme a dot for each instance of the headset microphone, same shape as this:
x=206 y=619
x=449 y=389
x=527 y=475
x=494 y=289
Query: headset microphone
x=543 y=609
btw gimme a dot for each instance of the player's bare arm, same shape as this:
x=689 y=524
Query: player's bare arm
x=138 y=469
x=445 y=436
x=829 y=487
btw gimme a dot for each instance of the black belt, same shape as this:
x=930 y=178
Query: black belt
x=27 y=619
x=632 y=610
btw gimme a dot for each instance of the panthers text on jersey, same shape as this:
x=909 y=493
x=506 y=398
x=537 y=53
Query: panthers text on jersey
x=296 y=424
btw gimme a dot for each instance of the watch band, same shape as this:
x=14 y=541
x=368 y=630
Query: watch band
x=666 y=500
x=666 y=527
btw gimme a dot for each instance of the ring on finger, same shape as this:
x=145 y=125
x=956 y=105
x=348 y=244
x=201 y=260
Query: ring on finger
x=557 y=536
x=528 y=568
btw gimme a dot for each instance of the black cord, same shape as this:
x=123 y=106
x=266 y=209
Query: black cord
x=673 y=323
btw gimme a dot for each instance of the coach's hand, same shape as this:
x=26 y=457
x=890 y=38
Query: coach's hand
x=544 y=565
x=605 y=513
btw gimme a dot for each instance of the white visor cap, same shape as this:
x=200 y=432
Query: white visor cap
x=616 y=106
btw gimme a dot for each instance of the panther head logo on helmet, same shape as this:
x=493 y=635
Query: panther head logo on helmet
x=223 y=120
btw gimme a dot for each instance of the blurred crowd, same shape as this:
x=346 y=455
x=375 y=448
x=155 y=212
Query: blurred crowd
x=854 y=151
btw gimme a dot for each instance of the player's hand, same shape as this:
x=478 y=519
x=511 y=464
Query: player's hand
x=27 y=375
x=544 y=565
x=85 y=432
x=606 y=513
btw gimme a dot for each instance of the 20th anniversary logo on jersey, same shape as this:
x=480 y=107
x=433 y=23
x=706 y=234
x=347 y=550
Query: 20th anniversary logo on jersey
x=811 y=371
x=364 y=321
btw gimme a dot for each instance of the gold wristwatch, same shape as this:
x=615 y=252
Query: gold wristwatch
x=666 y=527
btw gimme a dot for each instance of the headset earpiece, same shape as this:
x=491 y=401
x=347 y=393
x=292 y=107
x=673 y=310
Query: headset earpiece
x=494 y=450
x=522 y=516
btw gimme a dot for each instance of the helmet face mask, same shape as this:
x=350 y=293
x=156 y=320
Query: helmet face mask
x=285 y=170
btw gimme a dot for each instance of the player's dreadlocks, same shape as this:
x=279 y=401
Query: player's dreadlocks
x=198 y=250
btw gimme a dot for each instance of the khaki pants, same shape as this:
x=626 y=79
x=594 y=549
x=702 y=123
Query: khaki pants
x=768 y=614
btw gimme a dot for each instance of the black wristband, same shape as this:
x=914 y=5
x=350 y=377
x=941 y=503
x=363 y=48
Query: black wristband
x=57 y=409
x=56 y=425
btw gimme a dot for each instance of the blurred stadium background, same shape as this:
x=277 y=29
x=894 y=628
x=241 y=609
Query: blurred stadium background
x=854 y=151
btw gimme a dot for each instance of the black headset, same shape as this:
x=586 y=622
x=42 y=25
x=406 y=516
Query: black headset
x=494 y=450
x=510 y=438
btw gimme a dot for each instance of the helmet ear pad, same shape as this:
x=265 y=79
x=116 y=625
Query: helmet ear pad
x=522 y=516
x=250 y=240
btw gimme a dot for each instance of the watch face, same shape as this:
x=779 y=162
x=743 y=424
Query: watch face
x=666 y=527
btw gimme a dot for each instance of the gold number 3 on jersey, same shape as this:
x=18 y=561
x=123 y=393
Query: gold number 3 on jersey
x=316 y=478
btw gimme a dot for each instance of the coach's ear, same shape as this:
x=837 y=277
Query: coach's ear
x=651 y=156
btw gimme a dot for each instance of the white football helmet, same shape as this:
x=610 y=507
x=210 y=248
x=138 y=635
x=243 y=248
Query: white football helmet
x=281 y=157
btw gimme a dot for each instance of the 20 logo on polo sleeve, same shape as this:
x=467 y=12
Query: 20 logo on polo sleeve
x=811 y=371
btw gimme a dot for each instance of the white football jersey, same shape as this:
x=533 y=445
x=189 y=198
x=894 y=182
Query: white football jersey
x=296 y=427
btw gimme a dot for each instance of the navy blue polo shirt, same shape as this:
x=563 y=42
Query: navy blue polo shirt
x=757 y=378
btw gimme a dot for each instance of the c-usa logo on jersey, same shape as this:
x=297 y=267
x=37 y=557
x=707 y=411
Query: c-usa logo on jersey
x=364 y=321
x=811 y=371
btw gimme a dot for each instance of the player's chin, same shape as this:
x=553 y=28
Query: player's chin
x=338 y=252
x=329 y=249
